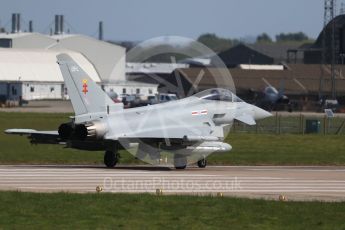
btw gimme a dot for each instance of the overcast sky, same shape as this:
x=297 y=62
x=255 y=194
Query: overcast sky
x=143 y=19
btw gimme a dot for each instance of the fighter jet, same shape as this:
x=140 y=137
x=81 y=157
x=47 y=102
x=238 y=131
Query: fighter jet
x=193 y=126
x=274 y=96
x=270 y=97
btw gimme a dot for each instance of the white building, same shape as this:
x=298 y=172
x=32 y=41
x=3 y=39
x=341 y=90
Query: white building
x=25 y=40
x=29 y=69
x=33 y=74
x=153 y=68
x=108 y=59
x=132 y=87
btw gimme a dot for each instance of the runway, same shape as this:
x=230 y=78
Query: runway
x=295 y=183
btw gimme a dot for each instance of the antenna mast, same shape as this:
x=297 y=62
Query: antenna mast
x=328 y=55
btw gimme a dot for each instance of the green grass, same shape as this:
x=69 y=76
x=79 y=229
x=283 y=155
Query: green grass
x=248 y=149
x=263 y=149
x=143 y=211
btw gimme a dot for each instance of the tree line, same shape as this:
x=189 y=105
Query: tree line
x=218 y=44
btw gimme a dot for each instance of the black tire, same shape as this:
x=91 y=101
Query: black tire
x=202 y=163
x=181 y=167
x=110 y=159
x=180 y=162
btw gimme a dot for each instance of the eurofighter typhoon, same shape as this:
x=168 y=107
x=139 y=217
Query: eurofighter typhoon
x=195 y=126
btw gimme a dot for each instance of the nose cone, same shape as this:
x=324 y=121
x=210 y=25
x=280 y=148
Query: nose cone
x=260 y=113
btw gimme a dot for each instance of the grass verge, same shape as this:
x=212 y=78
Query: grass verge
x=143 y=211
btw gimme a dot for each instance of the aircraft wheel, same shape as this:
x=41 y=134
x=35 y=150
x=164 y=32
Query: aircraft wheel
x=110 y=159
x=180 y=162
x=202 y=163
x=181 y=167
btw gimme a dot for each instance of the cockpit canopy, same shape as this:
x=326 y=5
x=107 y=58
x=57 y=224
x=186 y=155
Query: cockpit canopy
x=271 y=90
x=218 y=94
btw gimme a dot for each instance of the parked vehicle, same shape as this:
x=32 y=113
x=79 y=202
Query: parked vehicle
x=151 y=100
x=166 y=97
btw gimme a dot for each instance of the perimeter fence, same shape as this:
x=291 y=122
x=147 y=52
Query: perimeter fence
x=295 y=124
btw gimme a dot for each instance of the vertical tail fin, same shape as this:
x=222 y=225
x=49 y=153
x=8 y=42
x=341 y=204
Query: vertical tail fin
x=282 y=87
x=86 y=96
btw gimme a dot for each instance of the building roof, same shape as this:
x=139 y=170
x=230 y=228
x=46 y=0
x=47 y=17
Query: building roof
x=204 y=78
x=243 y=54
x=339 y=23
x=153 y=68
x=298 y=79
x=32 y=65
x=108 y=59
x=130 y=83
x=15 y=35
x=261 y=53
x=314 y=53
x=277 y=51
x=28 y=40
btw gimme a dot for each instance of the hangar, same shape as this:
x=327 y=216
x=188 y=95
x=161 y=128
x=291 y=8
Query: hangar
x=30 y=52
x=32 y=74
x=108 y=59
x=29 y=71
x=313 y=54
x=24 y=40
x=259 y=54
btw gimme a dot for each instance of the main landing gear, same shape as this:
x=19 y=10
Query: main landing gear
x=180 y=162
x=110 y=159
x=202 y=163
